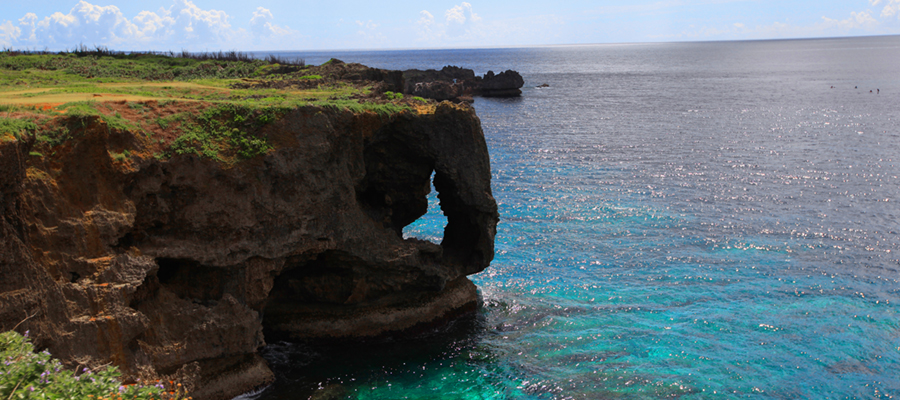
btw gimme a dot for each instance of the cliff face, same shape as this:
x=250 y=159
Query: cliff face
x=162 y=263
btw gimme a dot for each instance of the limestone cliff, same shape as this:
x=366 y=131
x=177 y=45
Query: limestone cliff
x=160 y=263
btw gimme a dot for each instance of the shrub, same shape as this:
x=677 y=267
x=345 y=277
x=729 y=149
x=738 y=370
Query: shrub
x=25 y=374
x=16 y=127
x=226 y=130
x=393 y=96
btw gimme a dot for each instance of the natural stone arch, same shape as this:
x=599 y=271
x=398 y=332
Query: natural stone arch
x=400 y=159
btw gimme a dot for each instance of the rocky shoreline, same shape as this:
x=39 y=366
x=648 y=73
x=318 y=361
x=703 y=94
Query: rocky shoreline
x=159 y=264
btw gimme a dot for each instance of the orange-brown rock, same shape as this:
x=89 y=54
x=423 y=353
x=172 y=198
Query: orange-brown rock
x=161 y=263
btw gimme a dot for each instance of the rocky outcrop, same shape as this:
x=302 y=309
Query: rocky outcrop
x=450 y=83
x=455 y=83
x=504 y=84
x=149 y=263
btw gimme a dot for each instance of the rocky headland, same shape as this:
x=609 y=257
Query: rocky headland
x=450 y=83
x=117 y=249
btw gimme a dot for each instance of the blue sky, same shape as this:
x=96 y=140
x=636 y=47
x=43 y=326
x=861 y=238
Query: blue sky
x=202 y=25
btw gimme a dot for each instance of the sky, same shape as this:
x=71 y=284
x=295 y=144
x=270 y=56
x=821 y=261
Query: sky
x=274 y=25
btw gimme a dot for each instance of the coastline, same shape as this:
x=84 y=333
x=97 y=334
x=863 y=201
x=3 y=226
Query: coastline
x=143 y=254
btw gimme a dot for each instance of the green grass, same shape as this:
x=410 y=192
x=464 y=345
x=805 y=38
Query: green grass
x=355 y=106
x=41 y=70
x=26 y=374
x=229 y=130
x=81 y=110
x=232 y=130
x=76 y=119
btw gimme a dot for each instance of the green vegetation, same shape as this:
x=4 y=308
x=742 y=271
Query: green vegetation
x=82 y=110
x=354 y=106
x=25 y=374
x=16 y=127
x=120 y=157
x=57 y=136
x=225 y=131
x=393 y=96
x=165 y=122
x=214 y=106
x=101 y=65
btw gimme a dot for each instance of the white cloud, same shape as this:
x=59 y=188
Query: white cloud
x=426 y=26
x=456 y=14
x=153 y=25
x=368 y=34
x=28 y=24
x=426 y=18
x=261 y=17
x=367 y=25
x=262 y=27
x=860 y=20
x=460 y=23
x=890 y=9
x=193 y=24
x=461 y=13
x=8 y=33
x=85 y=23
x=183 y=25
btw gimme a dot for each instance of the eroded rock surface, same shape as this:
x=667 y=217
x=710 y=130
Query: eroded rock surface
x=163 y=263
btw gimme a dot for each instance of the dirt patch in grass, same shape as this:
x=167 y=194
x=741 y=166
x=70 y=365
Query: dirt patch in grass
x=63 y=98
x=103 y=92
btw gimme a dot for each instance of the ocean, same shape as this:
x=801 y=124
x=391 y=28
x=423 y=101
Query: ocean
x=678 y=220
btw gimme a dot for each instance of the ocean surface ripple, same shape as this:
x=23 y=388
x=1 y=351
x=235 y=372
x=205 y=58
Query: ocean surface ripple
x=690 y=220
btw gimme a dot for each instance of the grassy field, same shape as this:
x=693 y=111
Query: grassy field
x=54 y=79
x=214 y=107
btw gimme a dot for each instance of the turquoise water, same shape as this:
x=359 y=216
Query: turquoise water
x=701 y=220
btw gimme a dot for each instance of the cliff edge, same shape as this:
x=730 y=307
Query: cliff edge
x=113 y=254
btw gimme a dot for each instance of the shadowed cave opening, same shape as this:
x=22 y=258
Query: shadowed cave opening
x=189 y=279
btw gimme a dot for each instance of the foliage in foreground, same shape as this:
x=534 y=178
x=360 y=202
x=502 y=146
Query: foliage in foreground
x=25 y=374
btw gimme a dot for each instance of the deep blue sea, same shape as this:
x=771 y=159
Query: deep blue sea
x=684 y=220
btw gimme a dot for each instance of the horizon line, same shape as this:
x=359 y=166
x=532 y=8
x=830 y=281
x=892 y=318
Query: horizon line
x=47 y=49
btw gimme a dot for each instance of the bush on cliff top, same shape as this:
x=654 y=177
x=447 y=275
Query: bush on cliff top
x=226 y=131
x=15 y=127
x=25 y=374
